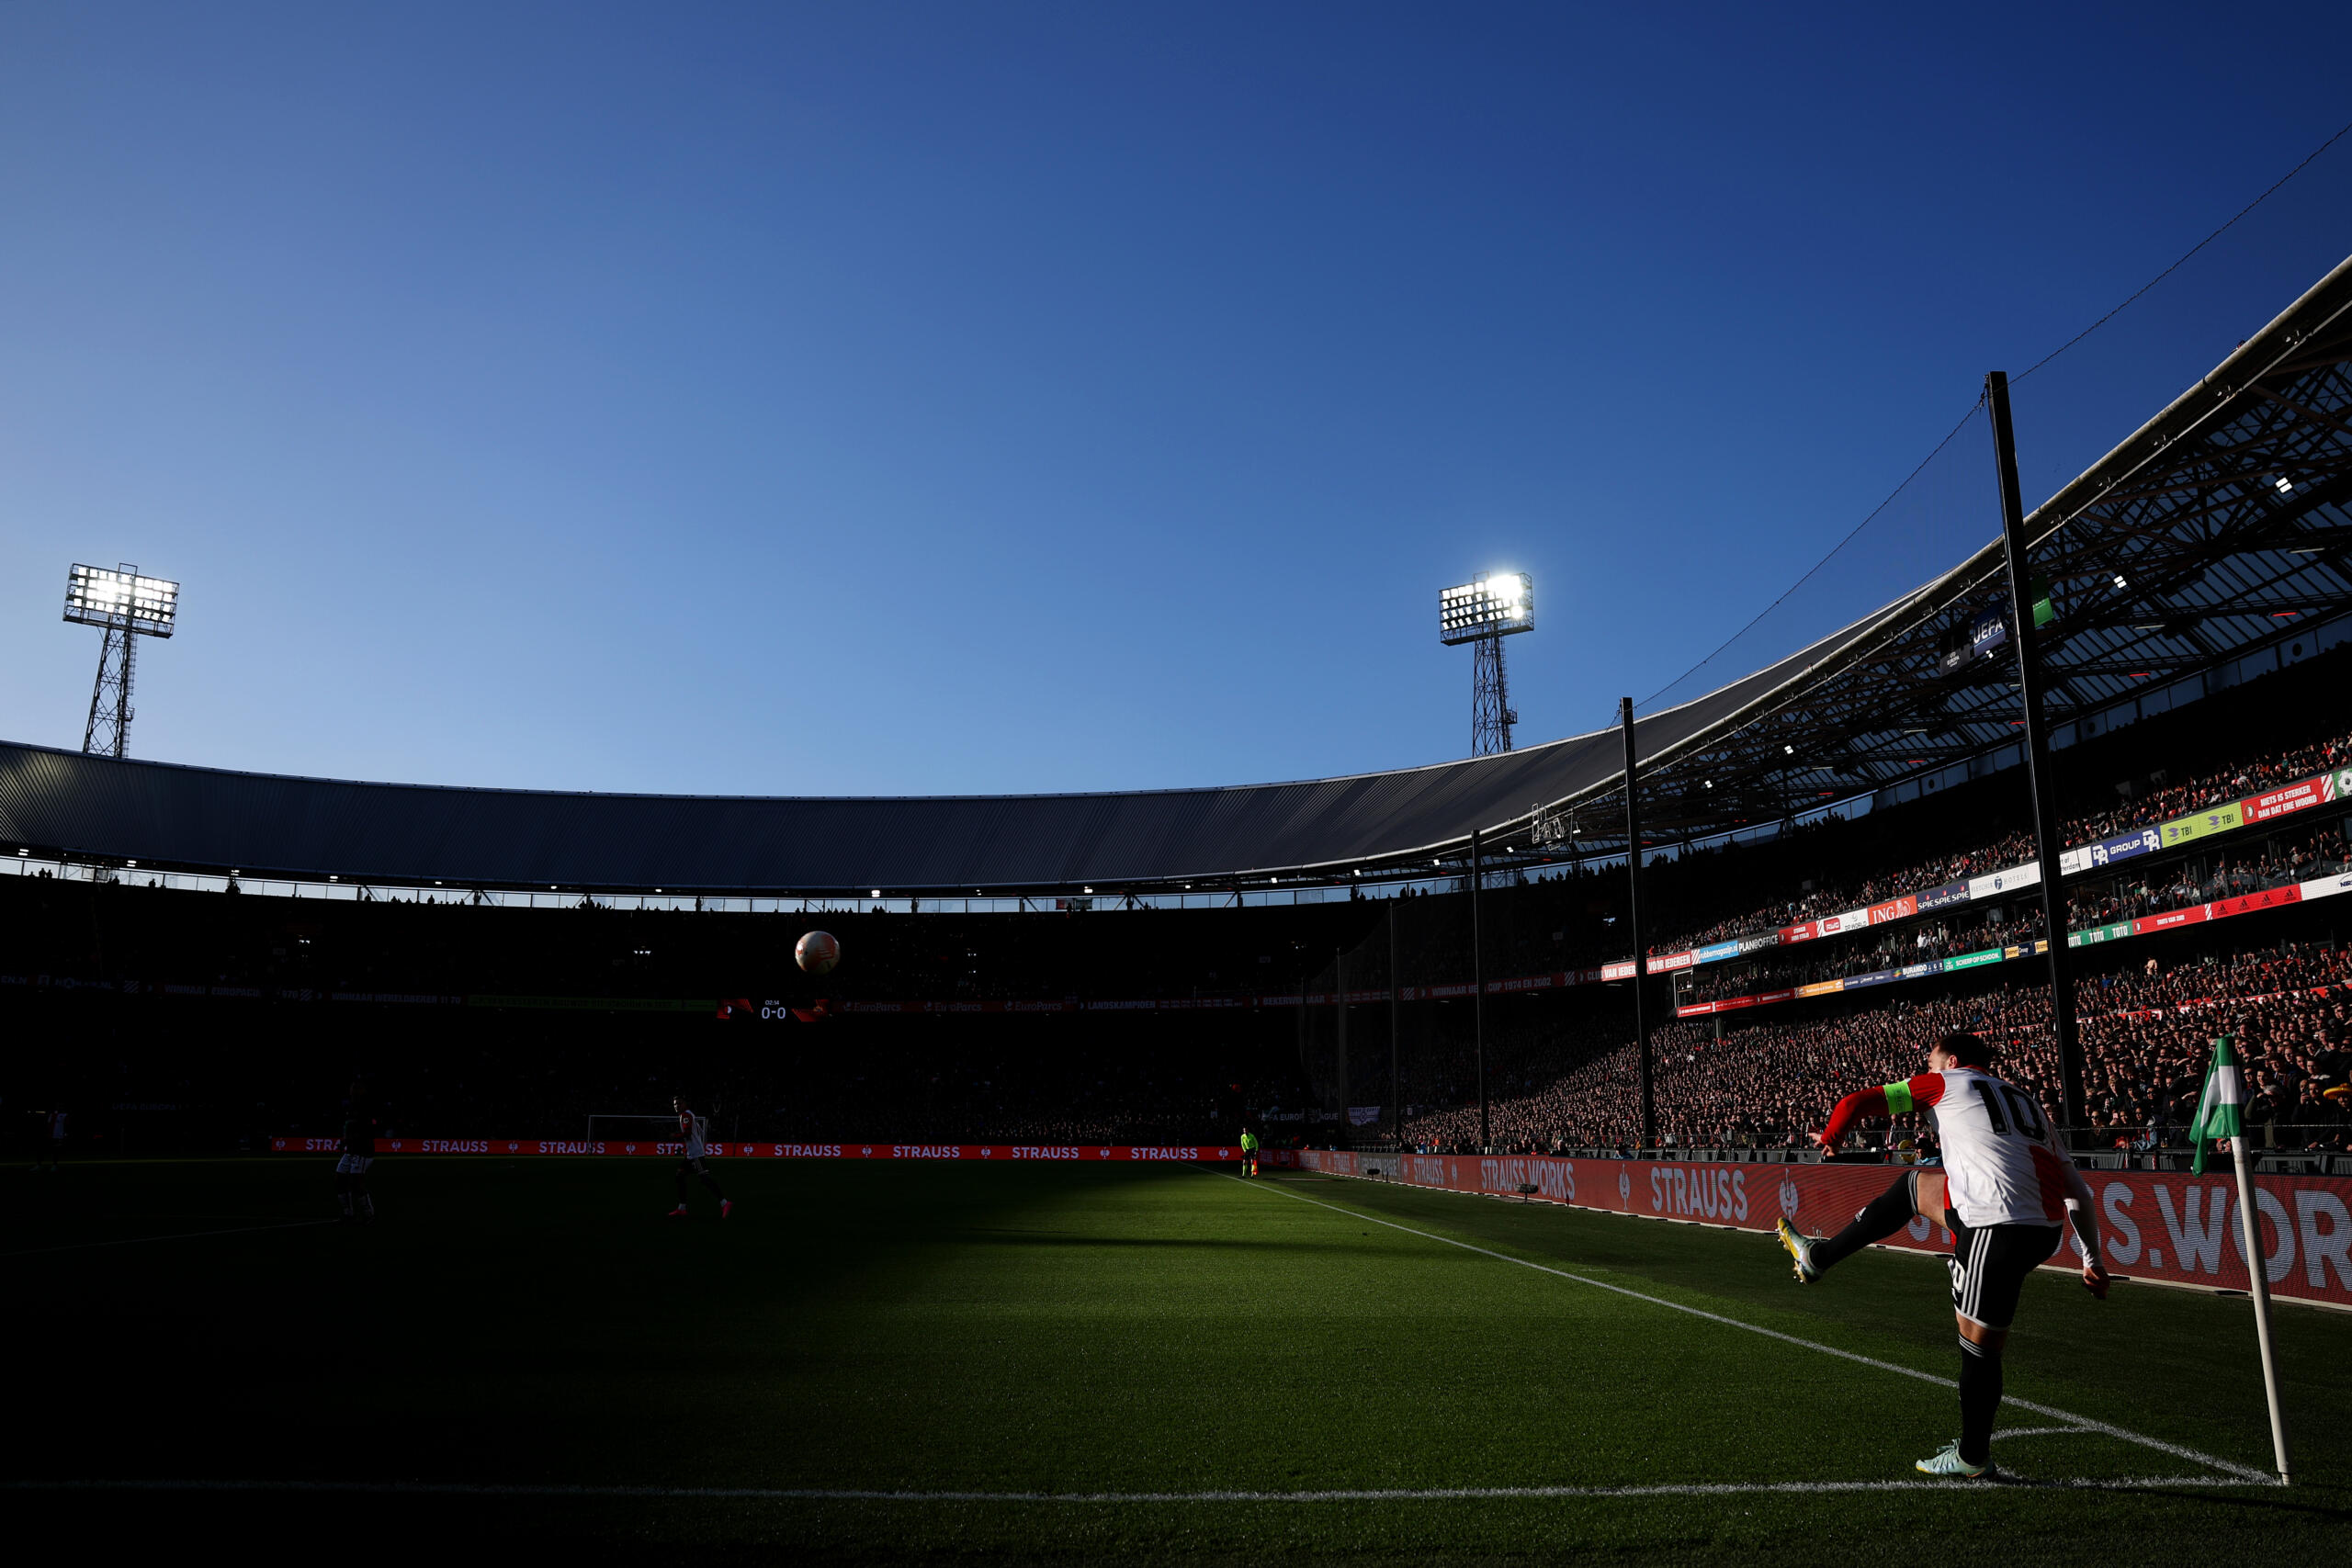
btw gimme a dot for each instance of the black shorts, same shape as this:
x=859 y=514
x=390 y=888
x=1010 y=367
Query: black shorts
x=1989 y=1266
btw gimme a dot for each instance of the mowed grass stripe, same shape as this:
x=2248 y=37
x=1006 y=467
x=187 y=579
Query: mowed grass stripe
x=2078 y=1423
x=167 y=1235
x=1428 y=1494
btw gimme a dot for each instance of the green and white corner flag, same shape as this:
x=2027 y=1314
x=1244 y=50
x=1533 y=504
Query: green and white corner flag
x=2220 y=1110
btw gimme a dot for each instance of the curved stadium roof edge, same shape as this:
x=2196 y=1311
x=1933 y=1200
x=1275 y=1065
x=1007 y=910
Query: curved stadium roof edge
x=418 y=834
x=164 y=813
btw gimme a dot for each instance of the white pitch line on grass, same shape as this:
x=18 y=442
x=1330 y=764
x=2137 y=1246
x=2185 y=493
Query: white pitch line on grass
x=2080 y=1423
x=1390 y=1495
x=168 y=1236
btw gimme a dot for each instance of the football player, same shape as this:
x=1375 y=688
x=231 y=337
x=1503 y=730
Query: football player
x=691 y=1128
x=2005 y=1189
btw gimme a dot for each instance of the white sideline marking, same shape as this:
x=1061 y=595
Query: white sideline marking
x=169 y=1236
x=2079 y=1423
x=825 y=1495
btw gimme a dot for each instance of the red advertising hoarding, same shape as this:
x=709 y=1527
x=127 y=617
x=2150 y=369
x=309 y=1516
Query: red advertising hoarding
x=2163 y=1225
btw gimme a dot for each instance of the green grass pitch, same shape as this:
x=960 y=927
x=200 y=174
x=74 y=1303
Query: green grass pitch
x=514 y=1330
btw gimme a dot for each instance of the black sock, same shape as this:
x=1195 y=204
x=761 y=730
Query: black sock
x=1980 y=1398
x=1887 y=1213
x=712 y=1182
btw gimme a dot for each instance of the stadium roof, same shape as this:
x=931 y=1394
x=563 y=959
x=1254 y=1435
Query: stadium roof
x=2223 y=513
x=2218 y=527
x=164 y=815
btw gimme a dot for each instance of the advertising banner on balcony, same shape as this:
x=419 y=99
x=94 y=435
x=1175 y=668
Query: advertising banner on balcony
x=2297 y=798
x=1941 y=898
x=2202 y=824
x=2124 y=846
x=2010 y=881
x=2169 y=1226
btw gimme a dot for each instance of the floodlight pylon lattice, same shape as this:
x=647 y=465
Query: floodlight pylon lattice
x=125 y=606
x=1490 y=711
x=1484 y=613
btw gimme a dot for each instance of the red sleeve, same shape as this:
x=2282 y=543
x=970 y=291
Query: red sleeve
x=1909 y=1095
x=1926 y=1088
x=1853 y=1108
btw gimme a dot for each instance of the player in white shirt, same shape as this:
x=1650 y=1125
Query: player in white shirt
x=2005 y=1190
x=691 y=1129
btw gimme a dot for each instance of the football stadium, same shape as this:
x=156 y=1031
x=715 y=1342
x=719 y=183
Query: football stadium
x=1439 y=1165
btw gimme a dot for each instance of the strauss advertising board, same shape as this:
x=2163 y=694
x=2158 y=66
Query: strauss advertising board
x=2169 y=1226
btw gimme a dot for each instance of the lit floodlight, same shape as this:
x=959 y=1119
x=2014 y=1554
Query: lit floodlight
x=125 y=606
x=1484 y=613
x=101 y=596
x=1495 y=606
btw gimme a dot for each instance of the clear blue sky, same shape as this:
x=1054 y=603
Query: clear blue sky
x=917 y=399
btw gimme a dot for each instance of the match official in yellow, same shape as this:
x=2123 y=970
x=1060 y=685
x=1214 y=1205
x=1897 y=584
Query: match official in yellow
x=1249 y=1152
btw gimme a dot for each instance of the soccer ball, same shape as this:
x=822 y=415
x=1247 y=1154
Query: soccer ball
x=817 y=952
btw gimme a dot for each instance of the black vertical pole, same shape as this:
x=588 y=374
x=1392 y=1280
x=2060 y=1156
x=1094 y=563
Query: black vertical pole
x=1340 y=1005
x=1396 y=1097
x=1478 y=981
x=2040 y=771
x=1634 y=914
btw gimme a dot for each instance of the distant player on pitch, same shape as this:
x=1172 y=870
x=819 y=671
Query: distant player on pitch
x=2005 y=1188
x=358 y=1152
x=1249 y=1152
x=691 y=1128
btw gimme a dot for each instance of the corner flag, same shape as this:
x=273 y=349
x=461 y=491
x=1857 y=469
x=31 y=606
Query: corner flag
x=2220 y=1110
x=2221 y=1113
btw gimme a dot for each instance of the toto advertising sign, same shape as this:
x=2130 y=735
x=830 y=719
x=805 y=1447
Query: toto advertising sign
x=2154 y=1225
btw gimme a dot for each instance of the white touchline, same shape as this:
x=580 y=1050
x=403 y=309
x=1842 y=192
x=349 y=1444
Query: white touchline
x=2080 y=1423
x=169 y=1236
x=1398 y=1494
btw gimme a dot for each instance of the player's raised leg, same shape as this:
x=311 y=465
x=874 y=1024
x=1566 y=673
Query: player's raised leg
x=1913 y=1193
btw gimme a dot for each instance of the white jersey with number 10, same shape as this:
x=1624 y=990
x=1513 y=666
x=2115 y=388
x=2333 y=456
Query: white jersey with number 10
x=2002 y=1162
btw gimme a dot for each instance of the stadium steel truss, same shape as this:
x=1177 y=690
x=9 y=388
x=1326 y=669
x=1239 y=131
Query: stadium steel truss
x=2219 y=528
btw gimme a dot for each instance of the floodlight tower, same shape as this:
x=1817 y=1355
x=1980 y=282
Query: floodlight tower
x=1484 y=613
x=125 y=606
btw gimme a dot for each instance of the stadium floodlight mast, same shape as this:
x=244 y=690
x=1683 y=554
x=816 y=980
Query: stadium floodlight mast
x=126 y=607
x=1484 y=611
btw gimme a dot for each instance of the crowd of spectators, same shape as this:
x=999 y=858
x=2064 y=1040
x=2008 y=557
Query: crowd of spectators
x=2146 y=1036
x=2322 y=850
x=2162 y=803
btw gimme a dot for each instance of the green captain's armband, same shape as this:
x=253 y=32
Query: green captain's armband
x=1898 y=1099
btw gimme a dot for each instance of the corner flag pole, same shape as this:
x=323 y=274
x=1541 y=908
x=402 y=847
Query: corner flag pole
x=2258 y=1269
x=2220 y=1114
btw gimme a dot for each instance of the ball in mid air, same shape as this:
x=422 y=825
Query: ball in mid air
x=817 y=952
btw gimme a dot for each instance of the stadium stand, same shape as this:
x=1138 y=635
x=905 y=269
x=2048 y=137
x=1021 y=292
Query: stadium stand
x=2145 y=1032
x=2196 y=660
